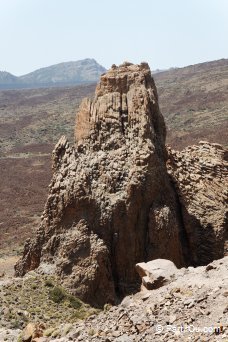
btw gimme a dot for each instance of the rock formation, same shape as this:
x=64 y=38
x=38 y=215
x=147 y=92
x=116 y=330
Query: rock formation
x=111 y=201
x=200 y=177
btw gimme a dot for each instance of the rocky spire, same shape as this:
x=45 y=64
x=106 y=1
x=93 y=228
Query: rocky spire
x=125 y=103
x=111 y=202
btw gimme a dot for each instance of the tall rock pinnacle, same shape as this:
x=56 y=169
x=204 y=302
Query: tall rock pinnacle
x=111 y=201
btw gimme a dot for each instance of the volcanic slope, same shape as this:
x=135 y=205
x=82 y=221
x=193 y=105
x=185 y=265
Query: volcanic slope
x=194 y=102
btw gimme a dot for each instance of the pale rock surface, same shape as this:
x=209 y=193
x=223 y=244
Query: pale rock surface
x=156 y=273
x=32 y=331
x=9 y=335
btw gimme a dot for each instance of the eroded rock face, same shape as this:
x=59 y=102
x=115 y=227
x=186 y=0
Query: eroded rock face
x=200 y=177
x=111 y=202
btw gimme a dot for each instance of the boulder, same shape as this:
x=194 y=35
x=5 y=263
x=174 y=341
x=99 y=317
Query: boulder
x=156 y=273
x=32 y=331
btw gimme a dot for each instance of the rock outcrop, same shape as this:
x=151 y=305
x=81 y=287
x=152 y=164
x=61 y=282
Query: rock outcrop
x=111 y=202
x=200 y=175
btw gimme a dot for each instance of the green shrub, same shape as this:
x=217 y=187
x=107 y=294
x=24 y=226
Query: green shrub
x=48 y=283
x=74 y=302
x=107 y=307
x=15 y=324
x=80 y=314
x=57 y=294
x=49 y=331
x=20 y=338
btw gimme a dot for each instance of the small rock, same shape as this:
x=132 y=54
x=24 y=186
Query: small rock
x=225 y=310
x=188 y=302
x=32 y=331
x=202 y=298
x=172 y=318
x=210 y=267
x=191 y=305
x=146 y=296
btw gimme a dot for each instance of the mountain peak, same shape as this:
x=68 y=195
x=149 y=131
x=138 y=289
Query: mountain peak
x=61 y=74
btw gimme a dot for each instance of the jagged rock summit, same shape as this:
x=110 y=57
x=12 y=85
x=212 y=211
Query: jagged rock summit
x=111 y=201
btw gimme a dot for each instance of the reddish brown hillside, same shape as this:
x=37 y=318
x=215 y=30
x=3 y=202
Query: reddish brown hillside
x=194 y=102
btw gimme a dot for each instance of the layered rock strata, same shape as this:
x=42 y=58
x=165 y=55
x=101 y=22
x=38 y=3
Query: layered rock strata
x=200 y=175
x=111 y=201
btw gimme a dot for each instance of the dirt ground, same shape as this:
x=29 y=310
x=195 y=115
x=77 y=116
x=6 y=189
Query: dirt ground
x=7 y=266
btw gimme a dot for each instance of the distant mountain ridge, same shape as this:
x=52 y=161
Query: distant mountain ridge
x=62 y=74
x=7 y=78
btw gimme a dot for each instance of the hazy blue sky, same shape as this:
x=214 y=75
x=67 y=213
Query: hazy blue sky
x=166 y=33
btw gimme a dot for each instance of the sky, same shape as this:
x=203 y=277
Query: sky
x=164 y=33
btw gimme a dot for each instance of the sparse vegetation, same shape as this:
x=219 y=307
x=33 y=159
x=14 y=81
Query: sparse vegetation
x=107 y=307
x=74 y=302
x=49 y=283
x=57 y=294
x=48 y=301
